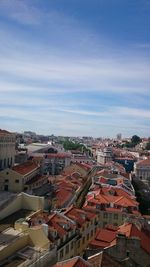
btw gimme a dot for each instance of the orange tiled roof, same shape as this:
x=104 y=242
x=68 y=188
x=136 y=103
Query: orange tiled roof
x=145 y=162
x=63 y=195
x=121 y=192
x=120 y=200
x=25 y=168
x=79 y=215
x=131 y=230
x=104 y=237
x=54 y=221
x=84 y=165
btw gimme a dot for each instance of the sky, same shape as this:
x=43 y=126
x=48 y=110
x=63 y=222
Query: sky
x=75 y=67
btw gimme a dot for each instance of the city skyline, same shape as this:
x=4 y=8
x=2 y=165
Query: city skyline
x=75 y=68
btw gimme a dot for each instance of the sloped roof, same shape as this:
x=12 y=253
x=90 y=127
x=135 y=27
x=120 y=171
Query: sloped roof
x=25 y=168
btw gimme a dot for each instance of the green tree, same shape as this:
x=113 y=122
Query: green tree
x=135 y=139
x=148 y=146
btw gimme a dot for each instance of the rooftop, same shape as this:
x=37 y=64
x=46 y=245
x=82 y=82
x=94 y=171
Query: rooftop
x=80 y=216
x=25 y=167
x=107 y=237
x=145 y=162
x=4 y=132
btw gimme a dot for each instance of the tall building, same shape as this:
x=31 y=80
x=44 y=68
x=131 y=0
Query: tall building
x=119 y=136
x=7 y=149
x=105 y=155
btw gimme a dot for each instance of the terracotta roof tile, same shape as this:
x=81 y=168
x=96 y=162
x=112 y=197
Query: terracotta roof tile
x=145 y=162
x=25 y=168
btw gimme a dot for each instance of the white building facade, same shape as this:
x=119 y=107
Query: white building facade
x=142 y=170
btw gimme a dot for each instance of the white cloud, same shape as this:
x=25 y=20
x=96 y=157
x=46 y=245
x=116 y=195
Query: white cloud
x=33 y=70
x=84 y=75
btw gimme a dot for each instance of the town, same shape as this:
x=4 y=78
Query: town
x=74 y=201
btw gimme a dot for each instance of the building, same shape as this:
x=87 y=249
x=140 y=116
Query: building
x=87 y=225
x=56 y=162
x=113 y=205
x=105 y=155
x=127 y=243
x=52 y=163
x=142 y=170
x=15 y=179
x=7 y=149
x=132 y=242
x=119 y=136
x=76 y=167
x=61 y=232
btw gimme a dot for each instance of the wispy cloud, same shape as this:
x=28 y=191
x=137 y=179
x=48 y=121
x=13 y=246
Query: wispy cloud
x=57 y=74
x=80 y=75
x=20 y=11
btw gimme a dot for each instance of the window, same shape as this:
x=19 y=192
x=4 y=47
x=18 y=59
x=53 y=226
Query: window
x=67 y=249
x=104 y=223
x=83 y=240
x=105 y=215
x=72 y=244
x=61 y=254
x=4 y=163
x=116 y=216
x=110 y=215
x=6 y=180
x=87 y=236
x=17 y=181
x=123 y=217
x=91 y=233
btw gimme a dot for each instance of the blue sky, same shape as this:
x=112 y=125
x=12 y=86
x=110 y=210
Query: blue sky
x=75 y=67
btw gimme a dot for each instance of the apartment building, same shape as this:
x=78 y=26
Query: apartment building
x=87 y=224
x=7 y=149
x=113 y=206
x=105 y=156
